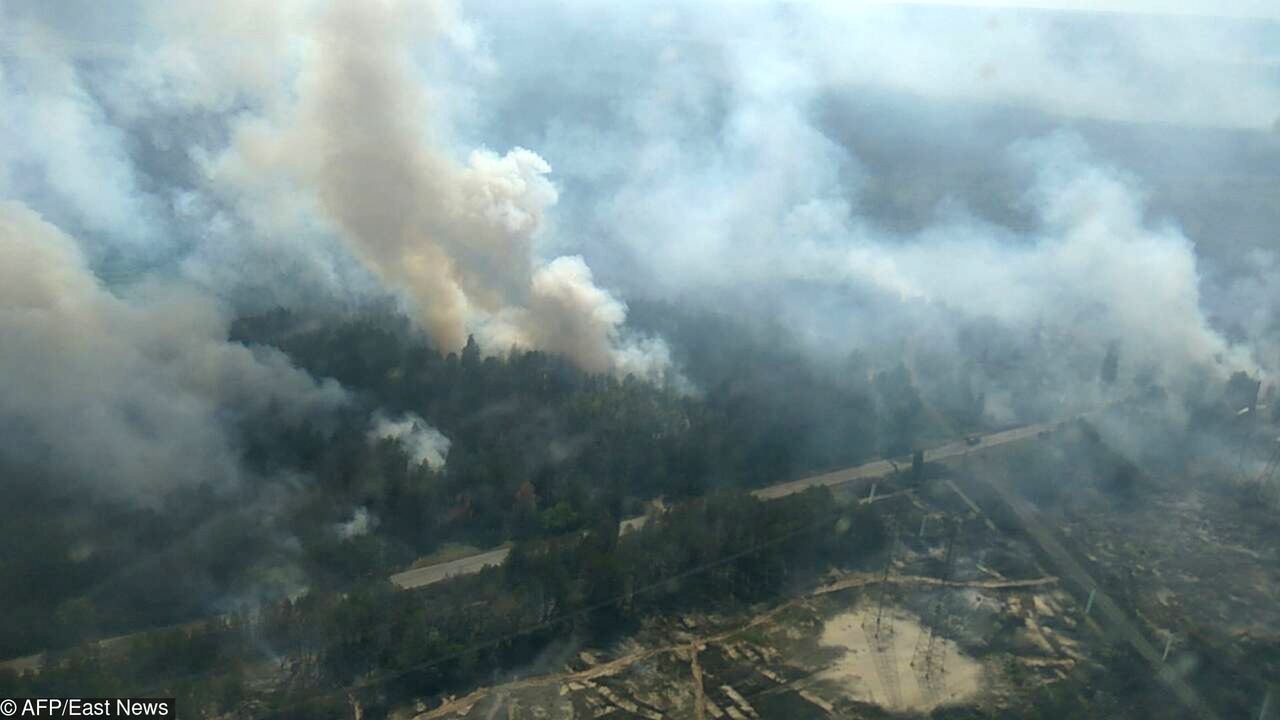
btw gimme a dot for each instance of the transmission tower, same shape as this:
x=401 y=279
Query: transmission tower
x=881 y=632
x=927 y=660
x=1266 y=478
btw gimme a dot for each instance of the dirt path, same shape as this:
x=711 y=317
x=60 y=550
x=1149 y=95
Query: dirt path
x=467 y=702
x=695 y=669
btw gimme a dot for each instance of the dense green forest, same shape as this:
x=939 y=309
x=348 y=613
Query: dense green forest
x=284 y=576
x=390 y=646
x=537 y=449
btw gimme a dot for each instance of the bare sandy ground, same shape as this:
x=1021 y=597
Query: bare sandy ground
x=880 y=671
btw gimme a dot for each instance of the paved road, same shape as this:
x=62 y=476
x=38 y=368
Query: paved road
x=880 y=468
x=33 y=663
x=421 y=577
x=431 y=574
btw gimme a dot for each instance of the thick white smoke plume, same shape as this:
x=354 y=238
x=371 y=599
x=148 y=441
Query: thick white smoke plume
x=131 y=392
x=458 y=238
x=423 y=444
x=725 y=163
x=791 y=161
x=361 y=522
x=276 y=131
x=1093 y=269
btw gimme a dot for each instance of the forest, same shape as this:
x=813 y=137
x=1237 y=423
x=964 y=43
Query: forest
x=389 y=646
x=536 y=449
x=300 y=299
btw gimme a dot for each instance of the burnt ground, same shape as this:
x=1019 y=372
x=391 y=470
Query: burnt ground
x=968 y=615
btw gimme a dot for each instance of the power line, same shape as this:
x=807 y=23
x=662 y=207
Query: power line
x=491 y=643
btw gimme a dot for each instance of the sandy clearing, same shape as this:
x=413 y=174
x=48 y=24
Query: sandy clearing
x=881 y=672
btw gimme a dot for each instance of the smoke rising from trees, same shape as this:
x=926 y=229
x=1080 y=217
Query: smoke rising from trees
x=910 y=182
x=424 y=444
x=132 y=394
x=796 y=165
x=457 y=238
x=263 y=266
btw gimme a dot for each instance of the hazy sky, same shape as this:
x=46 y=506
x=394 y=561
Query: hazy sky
x=891 y=179
x=1239 y=9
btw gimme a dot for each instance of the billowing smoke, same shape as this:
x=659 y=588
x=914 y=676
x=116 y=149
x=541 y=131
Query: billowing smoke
x=1000 y=199
x=135 y=391
x=257 y=157
x=361 y=522
x=566 y=310
x=423 y=444
x=949 y=188
x=458 y=237
x=1092 y=268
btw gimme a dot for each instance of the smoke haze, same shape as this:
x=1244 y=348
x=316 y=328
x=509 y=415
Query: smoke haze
x=131 y=393
x=423 y=444
x=914 y=182
x=944 y=187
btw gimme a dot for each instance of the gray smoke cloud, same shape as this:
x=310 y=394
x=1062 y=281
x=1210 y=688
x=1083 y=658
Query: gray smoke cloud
x=457 y=237
x=424 y=444
x=131 y=392
x=361 y=522
x=948 y=187
x=277 y=152
x=951 y=187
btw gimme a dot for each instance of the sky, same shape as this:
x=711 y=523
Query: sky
x=1255 y=9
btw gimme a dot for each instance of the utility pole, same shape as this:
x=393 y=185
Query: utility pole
x=926 y=659
x=882 y=638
